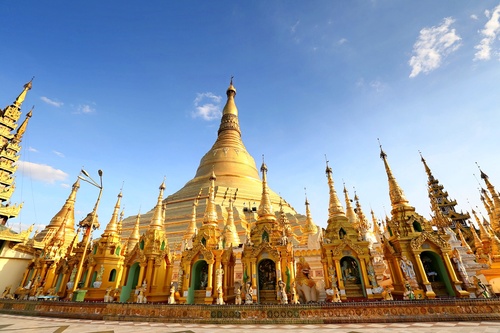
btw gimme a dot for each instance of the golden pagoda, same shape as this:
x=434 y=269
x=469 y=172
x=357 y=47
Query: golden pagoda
x=206 y=273
x=107 y=259
x=345 y=250
x=236 y=174
x=9 y=152
x=267 y=258
x=418 y=251
x=148 y=264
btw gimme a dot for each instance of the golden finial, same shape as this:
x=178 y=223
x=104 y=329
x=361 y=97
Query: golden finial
x=483 y=175
x=382 y=153
x=328 y=169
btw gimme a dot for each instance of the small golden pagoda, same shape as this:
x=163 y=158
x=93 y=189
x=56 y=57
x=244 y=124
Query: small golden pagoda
x=107 y=259
x=206 y=273
x=148 y=266
x=268 y=260
x=49 y=268
x=418 y=251
x=345 y=250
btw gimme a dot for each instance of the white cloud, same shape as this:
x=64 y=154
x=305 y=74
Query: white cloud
x=433 y=44
x=58 y=153
x=377 y=85
x=474 y=17
x=207 y=106
x=41 y=172
x=33 y=150
x=342 y=41
x=85 y=109
x=293 y=28
x=64 y=185
x=52 y=102
x=490 y=31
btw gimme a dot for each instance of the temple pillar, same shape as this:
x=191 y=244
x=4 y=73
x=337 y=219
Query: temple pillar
x=141 y=276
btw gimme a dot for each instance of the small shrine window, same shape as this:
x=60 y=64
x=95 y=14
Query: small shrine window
x=112 y=275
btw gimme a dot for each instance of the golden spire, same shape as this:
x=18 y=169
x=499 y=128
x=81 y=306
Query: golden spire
x=376 y=226
x=134 y=235
x=230 y=107
x=230 y=232
x=335 y=207
x=485 y=236
x=496 y=201
x=349 y=210
x=462 y=239
x=210 y=216
x=22 y=129
x=309 y=228
x=228 y=156
x=192 y=225
x=363 y=222
x=488 y=204
x=396 y=194
x=65 y=216
x=265 y=208
x=112 y=227
x=20 y=99
x=158 y=217
x=120 y=223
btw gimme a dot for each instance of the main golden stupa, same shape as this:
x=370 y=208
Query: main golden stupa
x=238 y=185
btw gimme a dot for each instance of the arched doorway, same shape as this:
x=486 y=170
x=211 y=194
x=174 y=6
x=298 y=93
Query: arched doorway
x=199 y=280
x=132 y=280
x=266 y=280
x=437 y=274
x=351 y=276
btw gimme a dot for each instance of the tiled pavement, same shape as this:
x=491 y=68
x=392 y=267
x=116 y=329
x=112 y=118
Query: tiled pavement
x=9 y=323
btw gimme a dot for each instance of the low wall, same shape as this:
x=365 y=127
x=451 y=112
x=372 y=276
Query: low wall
x=322 y=313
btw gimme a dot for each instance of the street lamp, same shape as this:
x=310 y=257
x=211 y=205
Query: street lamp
x=88 y=223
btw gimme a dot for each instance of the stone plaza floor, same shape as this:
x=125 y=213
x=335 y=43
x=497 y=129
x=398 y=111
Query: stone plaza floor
x=11 y=323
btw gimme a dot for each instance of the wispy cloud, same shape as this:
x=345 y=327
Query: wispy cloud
x=207 y=106
x=489 y=33
x=58 y=153
x=293 y=28
x=433 y=44
x=52 y=102
x=33 y=150
x=342 y=41
x=474 y=17
x=85 y=109
x=41 y=172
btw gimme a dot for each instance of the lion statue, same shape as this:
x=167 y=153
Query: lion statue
x=306 y=287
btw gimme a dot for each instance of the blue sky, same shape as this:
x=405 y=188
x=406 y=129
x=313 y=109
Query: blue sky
x=136 y=90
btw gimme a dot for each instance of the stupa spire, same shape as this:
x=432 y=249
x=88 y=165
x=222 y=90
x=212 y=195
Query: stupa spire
x=22 y=129
x=192 y=225
x=495 y=223
x=265 y=208
x=65 y=216
x=349 y=209
x=210 y=216
x=310 y=227
x=134 y=235
x=462 y=239
x=20 y=99
x=396 y=194
x=334 y=207
x=112 y=227
x=158 y=214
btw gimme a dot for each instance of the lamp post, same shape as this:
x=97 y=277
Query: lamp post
x=86 y=224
